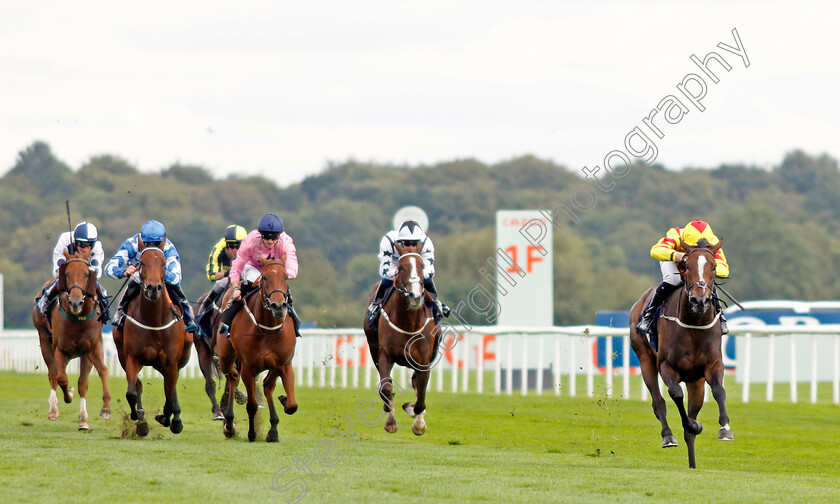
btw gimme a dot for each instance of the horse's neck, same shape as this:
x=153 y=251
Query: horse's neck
x=411 y=318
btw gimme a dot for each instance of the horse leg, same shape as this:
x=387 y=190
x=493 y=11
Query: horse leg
x=268 y=389
x=61 y=375
x=85 y=366
x=672 y=380
x=647 y=364
x=287 y=374
x=386 y=392
x=98 y=360
x=696 y=391
x=231 y=381
x=171 y=408
x=422 y=380
x=252 y=407
x=53 y=413
x=715 y=378
x=408 y=407
x=132 y=395
x=205 y=363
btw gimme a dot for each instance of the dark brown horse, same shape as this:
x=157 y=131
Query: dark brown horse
x=262 y=337
x=207 y=363
x=406 y=335
x=153 y=335
x=75 y=332
x=689 y=348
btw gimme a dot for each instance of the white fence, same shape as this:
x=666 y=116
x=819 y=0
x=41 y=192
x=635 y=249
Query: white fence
x=527 y=360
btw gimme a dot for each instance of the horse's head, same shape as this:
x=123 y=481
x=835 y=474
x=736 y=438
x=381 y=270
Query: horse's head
x=152 y=271
x=274 y=290
x=699 y=266
x=409 y=279
x=77 y=279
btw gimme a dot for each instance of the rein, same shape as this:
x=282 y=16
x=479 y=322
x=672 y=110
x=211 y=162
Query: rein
x=265 y=299
x=166 y=296
x=701 y=283
x=402 y=290
x=408 y=333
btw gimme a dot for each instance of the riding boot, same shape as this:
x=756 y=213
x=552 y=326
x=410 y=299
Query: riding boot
x=131 y=292
x=724 y=328
x=47 y=298
x=233 y=307
x=186 y=307
x=444 y=310
x=376 y=303
x=218 y=288
x=659 y=296
x=105 y=312
x=295 y=319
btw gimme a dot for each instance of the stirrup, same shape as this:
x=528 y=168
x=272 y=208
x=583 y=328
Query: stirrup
x=374 y=310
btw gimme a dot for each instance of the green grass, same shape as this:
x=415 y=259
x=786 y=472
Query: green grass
x=479 y=448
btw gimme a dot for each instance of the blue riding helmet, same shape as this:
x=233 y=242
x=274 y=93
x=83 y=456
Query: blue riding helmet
x=152 y=231
x=85 y=232
x=270 y=223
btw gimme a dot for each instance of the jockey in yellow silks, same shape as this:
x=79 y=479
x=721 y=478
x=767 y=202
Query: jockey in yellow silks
x=669 y=253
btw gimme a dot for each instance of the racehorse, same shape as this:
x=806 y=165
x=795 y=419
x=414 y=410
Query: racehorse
x=75 y=332
x=153 y=335
x=207 y=363
x=406 y=335
x=689 y=348
x=262 y=337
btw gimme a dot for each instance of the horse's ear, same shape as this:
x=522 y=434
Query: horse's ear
x=714 y=248
x=400 y=248
x=283 y=259
x=262 y=260
x=685 y=246
x=140 y=244
x=66 y=254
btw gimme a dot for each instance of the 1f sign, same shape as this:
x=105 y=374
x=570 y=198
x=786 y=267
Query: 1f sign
x=524 y=272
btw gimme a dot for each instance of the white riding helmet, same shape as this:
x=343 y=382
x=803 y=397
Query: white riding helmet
x=410 y=231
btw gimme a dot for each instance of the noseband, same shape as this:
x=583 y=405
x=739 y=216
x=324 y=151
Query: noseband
x=147 y=288
x=265 y=297
x=84 y=289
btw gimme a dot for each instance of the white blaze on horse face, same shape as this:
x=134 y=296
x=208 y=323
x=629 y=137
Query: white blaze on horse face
x=701 y=265
x=414 y=278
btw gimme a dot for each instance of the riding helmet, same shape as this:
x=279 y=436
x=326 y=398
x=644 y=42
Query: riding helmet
x=270 y=223
x=152 y=231
x=85 y=232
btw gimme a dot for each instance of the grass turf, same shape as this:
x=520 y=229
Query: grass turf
x=479 y=448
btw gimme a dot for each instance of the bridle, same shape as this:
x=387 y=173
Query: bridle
x=265 y=299
x=412 y=280
x=85 y=292
x=147 y=288
x=702 y=282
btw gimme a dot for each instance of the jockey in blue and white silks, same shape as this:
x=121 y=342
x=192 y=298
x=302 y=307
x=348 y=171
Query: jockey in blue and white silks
x=126 y=263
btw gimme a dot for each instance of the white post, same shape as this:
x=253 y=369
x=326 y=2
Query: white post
x=793 y=398
x=497 y=381
x=572 y=368
x=465 y=376
x=625 y=362
x=557 y=364
x=771 y=366
x=479 y=384
x=836 y=369
x=540 y=349
x=608 y=362
x=745 y=392
x=524 y=373
x=590 y=368
x=813 y=369
x=455 y=367
x=509 y=376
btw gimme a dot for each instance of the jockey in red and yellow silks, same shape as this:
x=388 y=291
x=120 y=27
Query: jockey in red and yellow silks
x=668 y=251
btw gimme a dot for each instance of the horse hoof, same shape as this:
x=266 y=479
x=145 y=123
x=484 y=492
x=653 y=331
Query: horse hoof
x=725 y=434
x=229 y=433
x=391 y=428
x=68 y=396
x=177 y=426
x=418 y=430
x=272 y=437
x=142 y=429
x=83 y=426
x=409 y=408
x=54 y=415
x=105 y=413
x=240 y=397
x=218 y=416
x=289 y=410
x=669 y=441
x=163 y=420
x=252 y=436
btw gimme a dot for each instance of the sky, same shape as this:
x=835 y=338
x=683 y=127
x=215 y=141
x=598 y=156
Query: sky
x=283 y=88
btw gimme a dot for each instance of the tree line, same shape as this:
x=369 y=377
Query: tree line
x=779 y=226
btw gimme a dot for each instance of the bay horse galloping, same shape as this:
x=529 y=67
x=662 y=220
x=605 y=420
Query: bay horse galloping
x=689 y=348
x=153 y=335
x=406 y=334
x=262 y=337
x=75 y=332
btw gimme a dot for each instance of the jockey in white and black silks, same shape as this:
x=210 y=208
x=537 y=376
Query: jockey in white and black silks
x=408 y=234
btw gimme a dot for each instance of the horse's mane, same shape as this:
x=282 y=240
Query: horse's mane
x=703 y=243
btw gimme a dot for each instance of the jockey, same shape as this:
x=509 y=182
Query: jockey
x=126 y=263
x=270 y=241
x=218 y=265
x=409 y=234
x=669 y=252
x=84 y=236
